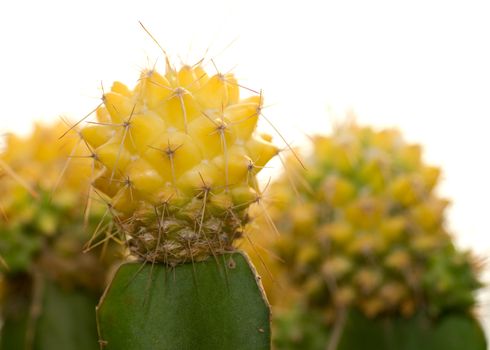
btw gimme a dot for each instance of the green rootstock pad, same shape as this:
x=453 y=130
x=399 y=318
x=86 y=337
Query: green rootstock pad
x=216 y=304
x=453 y=331
x=66 y=322
x=456 y=331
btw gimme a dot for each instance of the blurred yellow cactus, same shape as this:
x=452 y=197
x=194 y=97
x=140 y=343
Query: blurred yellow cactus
x=362 y=227
x=44 y=182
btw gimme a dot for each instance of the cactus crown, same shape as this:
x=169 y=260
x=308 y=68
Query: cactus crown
x=363 y=228
x=177 y=158
x=41 y=225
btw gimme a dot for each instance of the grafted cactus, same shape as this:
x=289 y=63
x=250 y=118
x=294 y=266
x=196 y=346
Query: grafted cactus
x=46 y=276
x=176 y=160
x=362 y=232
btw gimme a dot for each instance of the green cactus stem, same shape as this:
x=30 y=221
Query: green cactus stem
x=215 y=304
x=50 y=317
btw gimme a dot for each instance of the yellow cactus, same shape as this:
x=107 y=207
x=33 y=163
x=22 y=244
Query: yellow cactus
x=176 y=158
x=362 y=227
x=43 y=182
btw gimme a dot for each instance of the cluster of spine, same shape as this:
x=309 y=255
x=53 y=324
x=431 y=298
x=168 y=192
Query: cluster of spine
x=176 y=159
x=43 y=188
x=362 y=228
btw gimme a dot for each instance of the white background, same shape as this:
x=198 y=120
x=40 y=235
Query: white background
x=422 y=66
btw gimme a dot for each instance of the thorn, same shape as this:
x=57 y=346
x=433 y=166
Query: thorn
x=284 y=140
x=157 y=43
x=63 y=170
x=17 y=178
x=81 y=120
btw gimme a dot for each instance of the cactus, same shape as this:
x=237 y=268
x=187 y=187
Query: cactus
x=362 y=237
x=176 y=160
x=46 y=279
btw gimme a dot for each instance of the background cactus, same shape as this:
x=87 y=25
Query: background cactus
x=362 y=232
x=46 y=279
x=176 y=159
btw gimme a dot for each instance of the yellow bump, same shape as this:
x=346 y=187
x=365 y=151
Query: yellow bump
x=429 y=214
x=430 y=175
x=336 y=266
x=242 y=195
x=124 y=201
x=368 y=243
x=171 y=75
x=97 y=135
x=322 y=145
x=154 y=89
x=186 y=77
x=307 y=254
x=365 y=211
x=314 y=285
x=303 y=217
x=121 y=89
x=367 y=279
x=173 y=154
x=243 y=116
x=387 y=139
x=104 y=184
x=212 y=135
x=119 y=107
x=411 y=156
x=426 y=243
x=345 y=152
x=179 y=109
x=201 y=76
x=338 y=191
x=374 y=172
x=338 y=232
x=204 y=175
x=403 y=190
x=103 y=115
x=114 y=156
x=392 y=228
x=221 y=202
x=260 y=150
x=393 y=292
x=344 y=295
x=145 y=178
x=213 y=94
x=398 y=260
x=144 y=130
x=234 y=165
